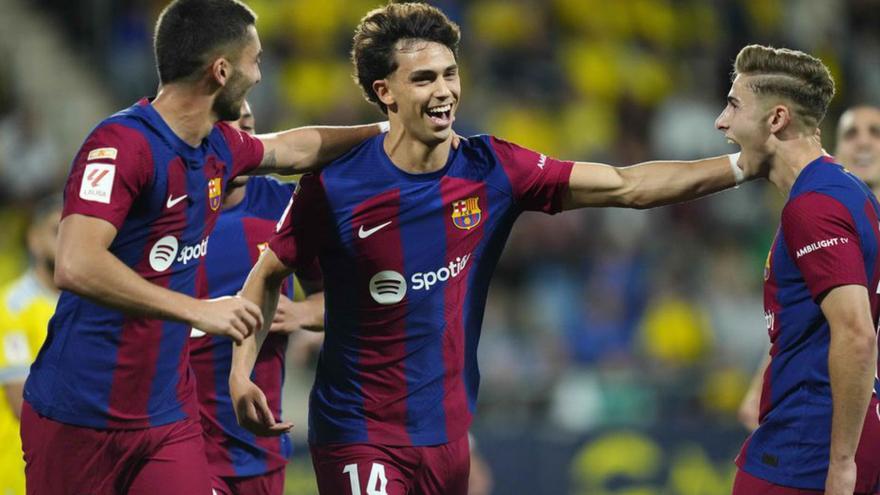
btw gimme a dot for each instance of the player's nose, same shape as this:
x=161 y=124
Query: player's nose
x=441 y=89
x=721 y=122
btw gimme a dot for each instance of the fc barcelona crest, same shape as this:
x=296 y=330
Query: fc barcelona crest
x=215 y=191
x=466 y=213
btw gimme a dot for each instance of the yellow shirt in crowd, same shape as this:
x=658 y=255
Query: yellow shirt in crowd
x=25 y=309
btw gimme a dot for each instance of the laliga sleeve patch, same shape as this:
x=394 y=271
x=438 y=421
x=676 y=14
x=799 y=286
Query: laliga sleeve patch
x=102 y=154
x=97 y=182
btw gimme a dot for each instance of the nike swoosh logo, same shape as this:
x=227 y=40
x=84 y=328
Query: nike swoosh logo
x=173 y=201
x=363 y=234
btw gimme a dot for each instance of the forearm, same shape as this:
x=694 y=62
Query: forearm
x=102 y=277
x=852 y=364
x=648 y=184
x=664 y=182
x=302 y=149
x=263 y=291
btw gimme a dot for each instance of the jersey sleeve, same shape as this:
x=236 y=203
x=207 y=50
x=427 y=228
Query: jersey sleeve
x=822 y=239
x=538 y=181
x=109 y=172
x=247 y=151
x=302 y=225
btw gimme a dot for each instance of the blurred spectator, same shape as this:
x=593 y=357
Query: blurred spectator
x=26 y=305
x=29 y=160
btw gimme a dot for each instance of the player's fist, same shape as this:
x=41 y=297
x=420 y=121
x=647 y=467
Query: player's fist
x=295 y=316
x=231 y=316
x=252 y=409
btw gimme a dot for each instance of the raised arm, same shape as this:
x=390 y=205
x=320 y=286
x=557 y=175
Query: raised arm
x=852 y=364
x=263 y=288
x=299 y=150
x=84 y=265
x=648 y=184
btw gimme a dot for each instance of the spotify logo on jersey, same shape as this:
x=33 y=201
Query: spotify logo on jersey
x=387 y=287
x=163 y=253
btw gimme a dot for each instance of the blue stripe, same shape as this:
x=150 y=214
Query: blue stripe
x=423 y=235
x=332 y=411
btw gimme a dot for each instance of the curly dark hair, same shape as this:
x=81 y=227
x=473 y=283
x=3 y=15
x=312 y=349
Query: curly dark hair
x=376 y=39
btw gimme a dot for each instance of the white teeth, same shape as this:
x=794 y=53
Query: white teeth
x=444 y=108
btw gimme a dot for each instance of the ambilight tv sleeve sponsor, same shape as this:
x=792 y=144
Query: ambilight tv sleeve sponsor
x=822 y=240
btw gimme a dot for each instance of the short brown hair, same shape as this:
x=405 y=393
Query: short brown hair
x=189 y=31
x=796 y=76
x=378 y=33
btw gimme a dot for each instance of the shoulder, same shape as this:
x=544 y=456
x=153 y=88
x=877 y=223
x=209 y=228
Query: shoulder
x=368 y=150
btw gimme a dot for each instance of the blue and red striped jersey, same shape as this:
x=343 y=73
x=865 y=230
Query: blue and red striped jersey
x=828 y=237
x=242 y=232
x=407 y=260
x=100 y=367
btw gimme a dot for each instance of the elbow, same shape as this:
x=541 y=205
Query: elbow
x=862 y=342
x=68 y=274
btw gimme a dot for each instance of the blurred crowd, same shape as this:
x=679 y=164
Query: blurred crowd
x=595 y=318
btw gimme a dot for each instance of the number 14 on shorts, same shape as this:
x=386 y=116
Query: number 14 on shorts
x=376 y=485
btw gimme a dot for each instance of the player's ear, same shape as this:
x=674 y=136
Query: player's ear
x=779 y=119
x=221 y=69
x=383 y=92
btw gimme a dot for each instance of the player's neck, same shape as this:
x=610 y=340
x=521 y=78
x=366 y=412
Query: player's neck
x=187 y=111
x=411 y=155
x=790 y=158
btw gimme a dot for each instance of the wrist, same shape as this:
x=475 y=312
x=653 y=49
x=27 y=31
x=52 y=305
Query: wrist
x=738 y=174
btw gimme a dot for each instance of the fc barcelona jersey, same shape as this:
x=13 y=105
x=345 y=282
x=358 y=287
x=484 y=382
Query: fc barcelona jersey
x=407 y=260
x=828 y=237
x=100 y=367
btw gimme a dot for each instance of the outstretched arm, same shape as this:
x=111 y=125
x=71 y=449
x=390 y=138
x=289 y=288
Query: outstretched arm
x=263 y=288
x=299 y=150
x=648 y=184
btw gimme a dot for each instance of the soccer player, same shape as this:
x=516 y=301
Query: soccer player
x=820 y=286
x=408 y=231
x=110 y=403
x=26 y=305
x=858 y=150
x=858 y=143
x=240 y=463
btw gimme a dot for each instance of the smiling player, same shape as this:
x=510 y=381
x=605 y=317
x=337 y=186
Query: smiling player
x=408 y=231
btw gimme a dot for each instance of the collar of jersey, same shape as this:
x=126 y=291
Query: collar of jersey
x=808 y=170
x=181 y=147
x=427 y=176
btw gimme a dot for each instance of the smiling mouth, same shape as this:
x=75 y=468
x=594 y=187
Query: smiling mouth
x=441 y=115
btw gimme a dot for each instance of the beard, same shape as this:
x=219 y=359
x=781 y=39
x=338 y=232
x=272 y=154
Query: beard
x=227 y=105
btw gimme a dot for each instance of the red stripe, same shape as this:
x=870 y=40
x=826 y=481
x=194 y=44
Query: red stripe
x=382 y=352
x=771 y=305
x=459 y=244
x=140 y=338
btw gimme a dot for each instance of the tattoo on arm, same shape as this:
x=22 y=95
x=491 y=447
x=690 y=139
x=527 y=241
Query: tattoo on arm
x=269 y=161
